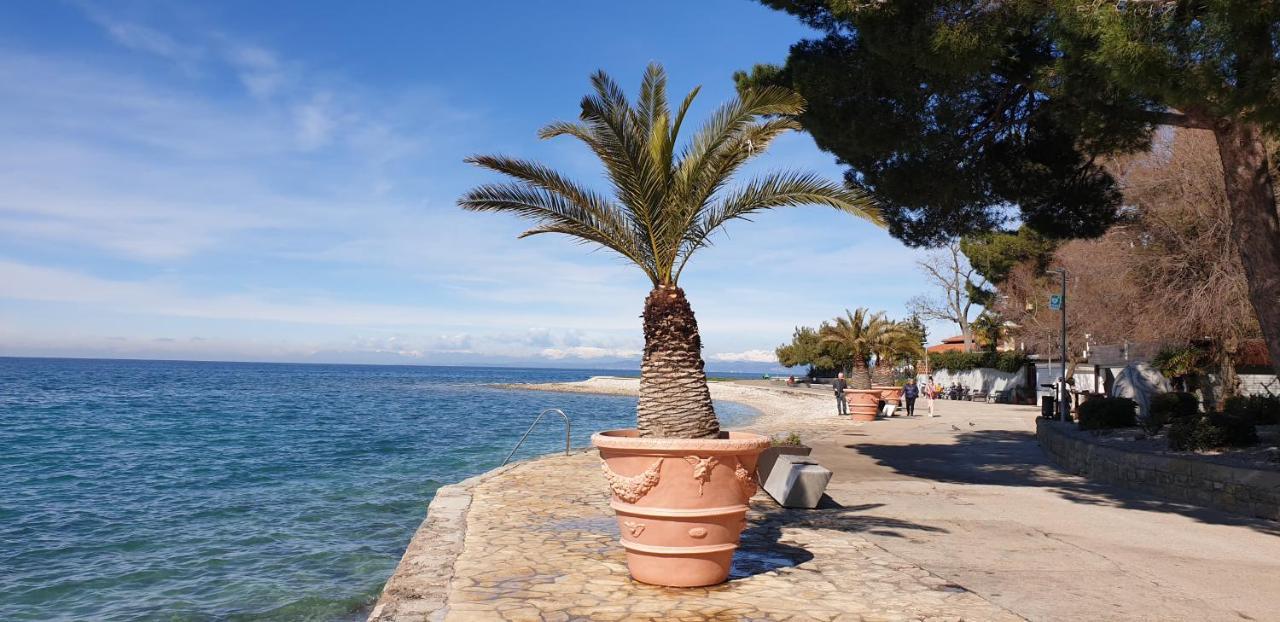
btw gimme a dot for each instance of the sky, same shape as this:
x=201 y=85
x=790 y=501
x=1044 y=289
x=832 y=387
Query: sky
x=271 y=181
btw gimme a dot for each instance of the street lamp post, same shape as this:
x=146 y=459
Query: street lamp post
x=1064 y=398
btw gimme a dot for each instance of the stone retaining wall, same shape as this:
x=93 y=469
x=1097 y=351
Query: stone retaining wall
x=1197 y=481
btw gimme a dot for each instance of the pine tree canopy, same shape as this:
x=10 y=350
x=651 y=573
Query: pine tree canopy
x=972 y=115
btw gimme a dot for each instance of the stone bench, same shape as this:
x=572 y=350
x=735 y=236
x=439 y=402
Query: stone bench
x=797 y=481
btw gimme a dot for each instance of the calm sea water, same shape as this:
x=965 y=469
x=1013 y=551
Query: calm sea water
x=239 y=491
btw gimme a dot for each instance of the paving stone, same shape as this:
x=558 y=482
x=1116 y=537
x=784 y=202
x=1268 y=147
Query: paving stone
x=540 y=543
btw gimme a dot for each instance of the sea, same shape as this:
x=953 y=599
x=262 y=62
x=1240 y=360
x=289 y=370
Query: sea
x=168 y=490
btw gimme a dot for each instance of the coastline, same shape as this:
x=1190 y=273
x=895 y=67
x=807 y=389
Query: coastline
x=537 y=540
x=420 y=583
x=780 y=409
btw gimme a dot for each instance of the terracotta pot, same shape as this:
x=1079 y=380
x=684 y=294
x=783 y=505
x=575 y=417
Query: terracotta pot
x=890 y=394
x=863 y=403
x=770 y=455
x=681 y=503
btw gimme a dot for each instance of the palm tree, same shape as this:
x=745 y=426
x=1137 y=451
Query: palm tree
x=666 y=202
x=895 y=342
x=859 y=332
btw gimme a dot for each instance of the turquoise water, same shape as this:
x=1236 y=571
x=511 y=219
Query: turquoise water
x=134 y=490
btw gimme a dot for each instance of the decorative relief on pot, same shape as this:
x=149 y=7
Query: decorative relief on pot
x=632 y=488
x=702 y=468
x=698 y=532
x=745 y=480
x=635 y=528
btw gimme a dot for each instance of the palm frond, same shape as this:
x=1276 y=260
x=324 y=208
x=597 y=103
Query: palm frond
x=727 y=123
x=785 y=189
x=664 y=207
x=551 y=210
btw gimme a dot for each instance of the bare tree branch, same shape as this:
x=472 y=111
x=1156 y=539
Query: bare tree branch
x=948 y=271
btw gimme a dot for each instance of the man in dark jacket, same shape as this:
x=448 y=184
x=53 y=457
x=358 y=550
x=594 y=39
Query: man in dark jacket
x=842 y=408
x=910 y=393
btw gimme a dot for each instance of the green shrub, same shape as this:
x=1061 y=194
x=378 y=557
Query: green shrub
x=790 y=440
x=1008 y=362
x=1211 y=432
x=1262 y=409
x=1175 y=361
x=1237 y=431
x=1100 y=413
x=1175 y=405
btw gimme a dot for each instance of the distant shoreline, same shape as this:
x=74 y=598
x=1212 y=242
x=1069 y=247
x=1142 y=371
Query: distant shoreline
x=781 y=410
x=733 y=375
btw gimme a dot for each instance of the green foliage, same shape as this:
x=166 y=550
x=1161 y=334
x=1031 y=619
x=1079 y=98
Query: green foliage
x=1261 y=409
x=808 y=348
x=1166 y=407
x=994 y=254
x=1101 y=413
x=988 y=329
x=1008 y=362
x=668 y=199
x=792 y=439
x=951 y=111
x=1175 y=405
x=1178 y=361
x=1204 y=432
x=917 y=329
x=859 y=331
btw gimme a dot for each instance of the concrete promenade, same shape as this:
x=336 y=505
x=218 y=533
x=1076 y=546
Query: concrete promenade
x=956 y=517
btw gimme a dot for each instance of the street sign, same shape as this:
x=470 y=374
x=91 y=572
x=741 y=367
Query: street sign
x=1055 y=302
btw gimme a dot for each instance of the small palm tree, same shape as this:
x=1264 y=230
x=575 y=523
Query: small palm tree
x=860 y=332
x=896 y=341
x=667 y=200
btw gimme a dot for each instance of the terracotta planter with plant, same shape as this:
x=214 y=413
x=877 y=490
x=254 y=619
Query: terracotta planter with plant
x=890 y=393
x=864 y=404
x=680 y=485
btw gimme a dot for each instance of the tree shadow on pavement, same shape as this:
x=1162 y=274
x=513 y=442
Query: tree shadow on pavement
x=1014 y=458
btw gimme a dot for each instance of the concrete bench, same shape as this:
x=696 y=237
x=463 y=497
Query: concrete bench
x=797 y=481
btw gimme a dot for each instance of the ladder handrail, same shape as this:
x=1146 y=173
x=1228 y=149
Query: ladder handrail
x=568 y=427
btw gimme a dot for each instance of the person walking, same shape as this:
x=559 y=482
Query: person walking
x=930 y=392
x=910 y=393
x=842 y=407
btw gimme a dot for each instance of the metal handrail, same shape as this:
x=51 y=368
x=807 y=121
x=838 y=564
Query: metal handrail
x=568 y=427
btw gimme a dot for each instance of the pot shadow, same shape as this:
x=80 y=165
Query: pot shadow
x=762 y=549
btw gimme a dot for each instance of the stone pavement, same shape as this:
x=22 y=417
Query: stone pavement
x=975 y=501
x=957 y=517
x=541 y=543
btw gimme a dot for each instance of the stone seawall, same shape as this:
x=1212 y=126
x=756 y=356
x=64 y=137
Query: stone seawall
x=419 y=588
x=1198 y=481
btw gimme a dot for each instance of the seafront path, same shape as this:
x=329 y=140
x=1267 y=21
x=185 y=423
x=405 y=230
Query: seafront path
x=957 y=517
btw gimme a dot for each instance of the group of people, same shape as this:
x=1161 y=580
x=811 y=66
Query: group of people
x=910 y=393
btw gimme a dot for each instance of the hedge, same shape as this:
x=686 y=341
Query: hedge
x=1102 y=413
x=1009 y=362
x=1261 y=409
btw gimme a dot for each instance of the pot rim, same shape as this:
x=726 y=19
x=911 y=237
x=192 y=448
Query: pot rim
x=627 y=439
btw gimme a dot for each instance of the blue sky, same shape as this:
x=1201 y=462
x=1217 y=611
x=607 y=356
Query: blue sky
x=275 y=181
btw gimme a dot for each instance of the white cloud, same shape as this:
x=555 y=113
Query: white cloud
x=165 y=297
x=589 y=352
x=315 y=123
x=142 y=38
x=748 y=356
x=259 y=69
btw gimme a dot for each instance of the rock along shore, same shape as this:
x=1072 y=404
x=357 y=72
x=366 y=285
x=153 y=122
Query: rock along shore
x=537 y=541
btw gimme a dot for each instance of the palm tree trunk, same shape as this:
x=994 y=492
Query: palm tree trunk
x=674 y=399
x=883 y=373
x=860 y=378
